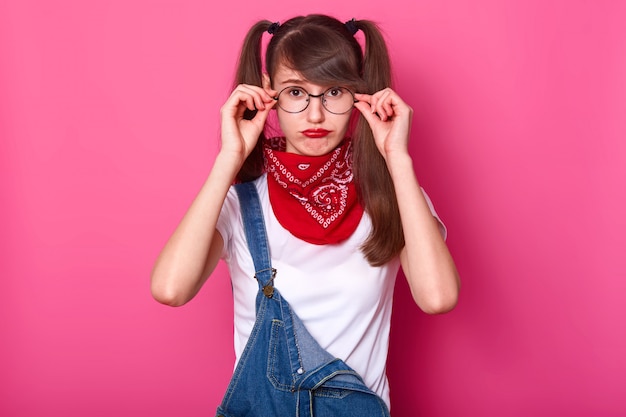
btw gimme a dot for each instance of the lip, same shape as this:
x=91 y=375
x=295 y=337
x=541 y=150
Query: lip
x=315 y=133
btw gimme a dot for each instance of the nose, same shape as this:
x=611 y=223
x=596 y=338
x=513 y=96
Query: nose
x=315 y=109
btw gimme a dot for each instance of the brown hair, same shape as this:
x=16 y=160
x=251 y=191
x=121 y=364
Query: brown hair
x=324 y=51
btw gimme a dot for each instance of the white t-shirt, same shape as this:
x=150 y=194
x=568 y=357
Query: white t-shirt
x=343 y=301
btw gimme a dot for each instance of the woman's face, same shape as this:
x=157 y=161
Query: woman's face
x=314 y=131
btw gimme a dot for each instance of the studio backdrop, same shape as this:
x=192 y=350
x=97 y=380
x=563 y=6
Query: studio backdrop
x=109 y=122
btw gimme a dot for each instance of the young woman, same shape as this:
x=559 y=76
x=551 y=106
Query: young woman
x=341 y=203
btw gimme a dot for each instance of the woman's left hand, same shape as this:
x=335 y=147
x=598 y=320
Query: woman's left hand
x=389 y=118
x=426 y=261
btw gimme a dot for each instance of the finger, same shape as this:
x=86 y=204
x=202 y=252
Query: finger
x=254 y=97
x=365 y=109
x=374 y=102
x=267 y=95
x=383 y=108
x=363 y=97
x=238 y=101
x=388 y=106
x=271 y=93
x=261 y=115
x=381 y=103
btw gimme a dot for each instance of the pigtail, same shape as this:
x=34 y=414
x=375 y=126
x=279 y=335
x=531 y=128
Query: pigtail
x=376 y=189
x=376 y=62
x=249 y=71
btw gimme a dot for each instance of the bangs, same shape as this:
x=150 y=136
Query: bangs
x=321 y=56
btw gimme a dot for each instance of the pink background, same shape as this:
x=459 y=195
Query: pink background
x=108 y=123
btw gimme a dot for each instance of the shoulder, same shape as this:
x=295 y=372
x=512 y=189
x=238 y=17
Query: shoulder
x=232 y=199
x=231 y=208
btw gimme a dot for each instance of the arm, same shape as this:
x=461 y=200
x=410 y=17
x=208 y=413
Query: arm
x=192 y=252
x=425 y=259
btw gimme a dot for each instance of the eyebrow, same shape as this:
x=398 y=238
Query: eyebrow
x=293 y=81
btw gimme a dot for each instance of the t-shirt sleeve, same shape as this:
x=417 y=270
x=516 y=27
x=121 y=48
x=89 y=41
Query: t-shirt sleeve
x=228 y=214
x=442 y=227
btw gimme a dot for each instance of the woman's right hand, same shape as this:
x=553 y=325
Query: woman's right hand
x=239 y=135
x=194 y=249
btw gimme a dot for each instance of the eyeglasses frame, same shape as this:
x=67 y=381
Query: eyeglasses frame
x=320 y=96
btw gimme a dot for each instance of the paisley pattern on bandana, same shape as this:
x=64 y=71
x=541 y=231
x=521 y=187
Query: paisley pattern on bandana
x=314 y=197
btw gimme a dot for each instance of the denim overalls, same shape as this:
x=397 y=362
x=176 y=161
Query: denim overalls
x=282 y=371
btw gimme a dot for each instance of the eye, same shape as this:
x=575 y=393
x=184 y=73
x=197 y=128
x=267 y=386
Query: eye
x=296 y=92
x=334 y=92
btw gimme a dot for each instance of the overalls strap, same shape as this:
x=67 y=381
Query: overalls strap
x=254 y=226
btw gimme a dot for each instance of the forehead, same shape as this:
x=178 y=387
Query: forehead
x=284 y=76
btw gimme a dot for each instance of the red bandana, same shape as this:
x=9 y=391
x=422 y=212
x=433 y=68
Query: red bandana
x=314 y=197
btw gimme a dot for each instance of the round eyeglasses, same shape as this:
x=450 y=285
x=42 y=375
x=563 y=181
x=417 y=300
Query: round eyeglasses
x=336 y=100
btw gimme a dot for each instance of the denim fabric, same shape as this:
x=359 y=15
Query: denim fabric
x=282 y=370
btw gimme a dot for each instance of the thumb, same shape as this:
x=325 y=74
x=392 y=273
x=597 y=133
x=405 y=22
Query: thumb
x=261 y=115
x=366 y=111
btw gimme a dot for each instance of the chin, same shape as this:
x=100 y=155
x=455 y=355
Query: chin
x=314 y=147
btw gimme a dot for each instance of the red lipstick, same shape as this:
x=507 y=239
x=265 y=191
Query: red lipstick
x=315 y=133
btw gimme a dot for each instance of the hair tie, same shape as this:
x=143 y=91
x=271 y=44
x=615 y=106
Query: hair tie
x=351 y=26
x=273 y=28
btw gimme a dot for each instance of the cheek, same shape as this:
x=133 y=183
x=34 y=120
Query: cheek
x=343 y=123
x=285 y=121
